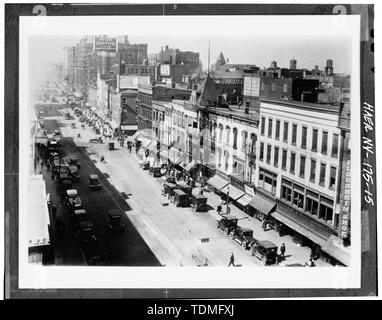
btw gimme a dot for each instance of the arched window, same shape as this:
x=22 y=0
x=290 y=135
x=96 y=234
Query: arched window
x=235 y=138
x=226 y=161
x=253 y=142
x=220 y=132
x=244 y=135
x=228 y=133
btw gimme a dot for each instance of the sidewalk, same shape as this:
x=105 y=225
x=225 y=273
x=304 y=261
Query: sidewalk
x=183 y=228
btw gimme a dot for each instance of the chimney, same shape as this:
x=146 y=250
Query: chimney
x=246 y=108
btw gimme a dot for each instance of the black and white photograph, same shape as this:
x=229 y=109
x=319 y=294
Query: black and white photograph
x=191 y=151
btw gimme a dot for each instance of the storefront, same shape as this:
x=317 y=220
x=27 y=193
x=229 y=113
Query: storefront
x=304 y=231
x=218 y=182
x=233 y=192
x=260 y=207
x=335 y=252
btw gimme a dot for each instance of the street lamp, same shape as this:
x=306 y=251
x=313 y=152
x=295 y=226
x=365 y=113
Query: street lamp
x=227 y=211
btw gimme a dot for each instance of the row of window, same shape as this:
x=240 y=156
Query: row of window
x=304 y=135
x=292 y=165
x=307 y=200
x=235 y=134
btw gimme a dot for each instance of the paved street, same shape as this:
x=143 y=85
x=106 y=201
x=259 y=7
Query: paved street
x=174 y=234
x=125 y=249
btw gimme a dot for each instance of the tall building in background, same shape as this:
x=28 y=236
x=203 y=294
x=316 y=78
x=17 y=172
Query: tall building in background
x=83 y=50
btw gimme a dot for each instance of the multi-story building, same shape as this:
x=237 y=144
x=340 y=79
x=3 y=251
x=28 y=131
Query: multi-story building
x=70 y=58
x=157 y=92
x=83 y=50
x=299 y=165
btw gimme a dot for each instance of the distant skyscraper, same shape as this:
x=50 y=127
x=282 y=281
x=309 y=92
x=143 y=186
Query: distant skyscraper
x=329 y=70
x=293 y=64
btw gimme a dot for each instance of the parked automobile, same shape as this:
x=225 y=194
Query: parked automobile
x=179 y=198
x=78 y=216
x=198 y=202
x=94 y=182
x=73 y=173
x=74 y=162
x=144 y=164
x=227 y=223
x=85 y=231
x=92 y=252
x=266 y=251
x=243 y=236
x=115 y=220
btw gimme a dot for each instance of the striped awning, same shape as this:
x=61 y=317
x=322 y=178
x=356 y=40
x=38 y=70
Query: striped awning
x=244 y=200
x=218 y=182
x=233 y=192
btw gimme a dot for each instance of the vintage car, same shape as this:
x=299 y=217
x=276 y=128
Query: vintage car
x=169 y=179
x=144 y=164
x=85 y=231
x=179 y=198
x=156 y=171
x=243 y=236
x=63 y=183
x=92 y=251
x=78 y=216
x=73 y=173
x=115 y=220
x=266 y=251
x=227 y=223
x=185 y=188
x=74 y=162
x=168 y=189
x=198 y=202
x=94 y=182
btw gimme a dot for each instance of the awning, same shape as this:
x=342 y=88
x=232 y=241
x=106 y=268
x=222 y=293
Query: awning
x=217 y=182
x=190 y=165
x=164 y=154
x=177 y=158
x=145 y=142
x=261 y=204
x=233 y=192
x=300 y=228
x=336 y=249
x=244 y=200
x=135 y=135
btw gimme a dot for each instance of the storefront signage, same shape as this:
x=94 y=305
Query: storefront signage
x=249 y=190
x=228 y=81
x=345 y=208
x=252 y=86
x=105 y=44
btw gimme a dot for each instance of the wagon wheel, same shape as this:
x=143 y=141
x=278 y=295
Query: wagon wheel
x=244 y=245
x=231 y=235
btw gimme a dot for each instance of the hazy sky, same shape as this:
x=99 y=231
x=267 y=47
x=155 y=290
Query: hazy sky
x=45 y=50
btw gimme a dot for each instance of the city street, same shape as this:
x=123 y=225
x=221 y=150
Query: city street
x=174 y=234
x=126 y=248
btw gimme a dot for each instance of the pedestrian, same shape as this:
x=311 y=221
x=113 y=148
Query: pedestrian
x=228 y=210
x=265 y=224
x=310 y=263
x=219 y=208
x=231 y=260
x=47 y=167
x=282 y=250
x=201 y=191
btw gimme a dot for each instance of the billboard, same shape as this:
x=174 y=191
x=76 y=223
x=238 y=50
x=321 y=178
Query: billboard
x=165 y=70
x=252 y=86
x=105 y=44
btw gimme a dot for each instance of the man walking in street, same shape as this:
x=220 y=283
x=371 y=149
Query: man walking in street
x=219 y=208
x=282 y=251
x=231 y=260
